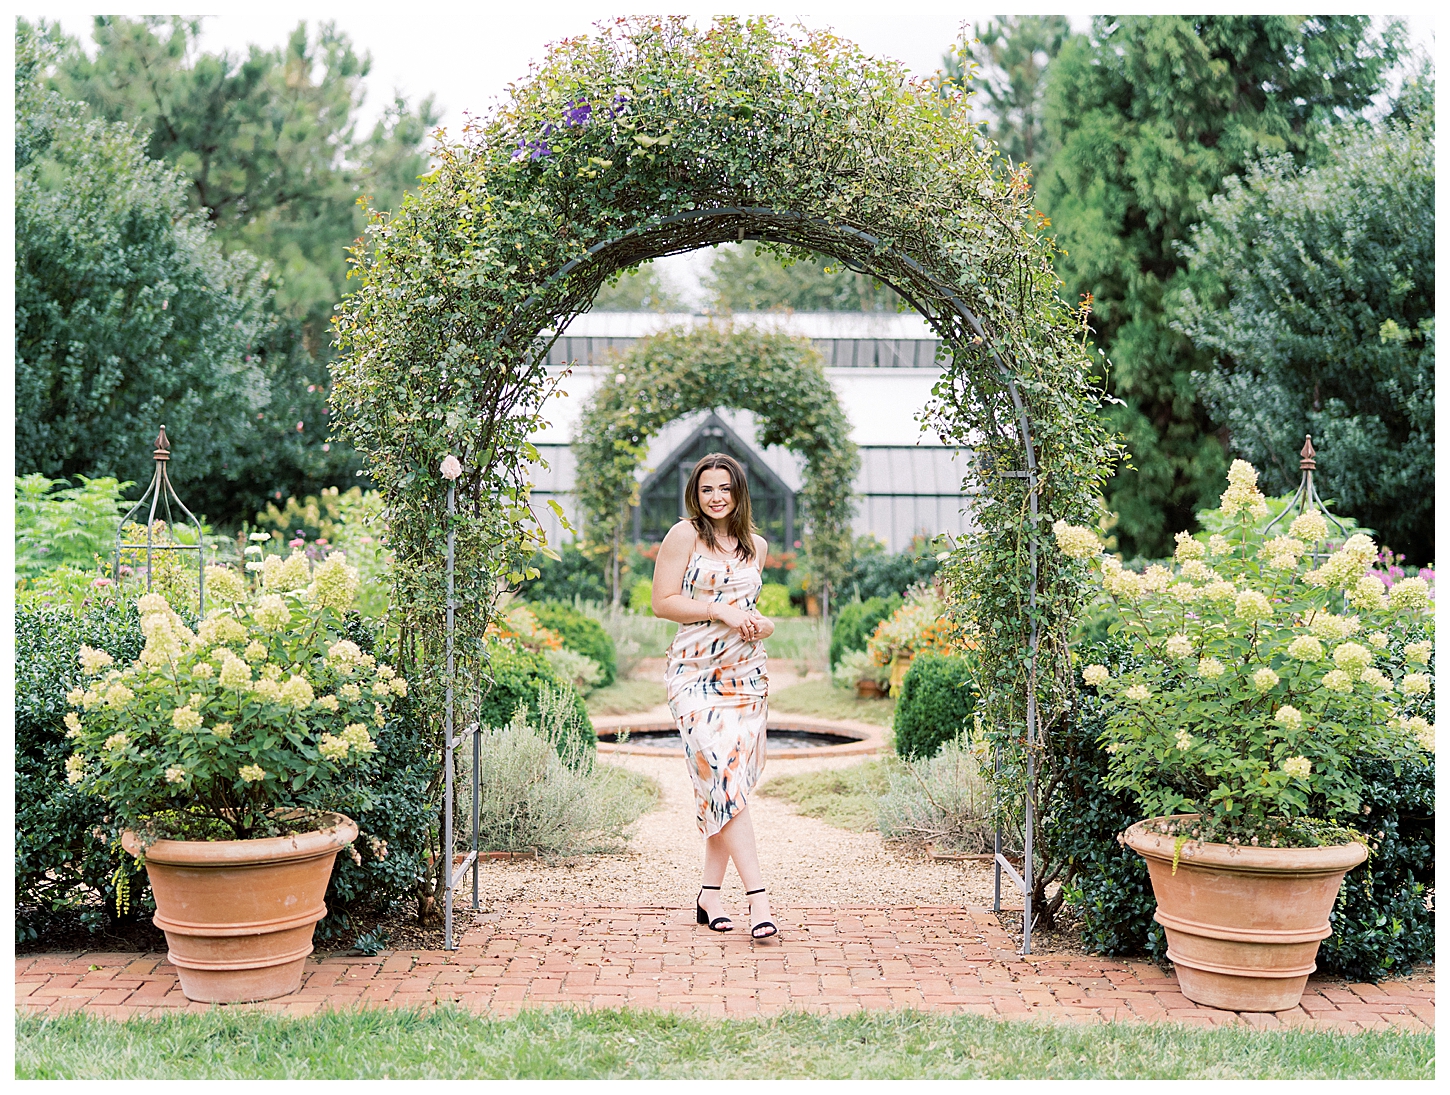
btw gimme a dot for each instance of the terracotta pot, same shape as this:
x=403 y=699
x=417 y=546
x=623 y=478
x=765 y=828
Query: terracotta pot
x=239 y=914
x=1243 y=923
x=868 y=688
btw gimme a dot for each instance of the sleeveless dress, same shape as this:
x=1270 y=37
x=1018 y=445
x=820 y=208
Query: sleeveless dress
x=717 y=688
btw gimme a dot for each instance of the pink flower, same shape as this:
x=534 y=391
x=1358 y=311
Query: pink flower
x=450 y=467
x=101 y=583
x=299 y=542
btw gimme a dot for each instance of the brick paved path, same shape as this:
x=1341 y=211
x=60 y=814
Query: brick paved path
x=827 y=960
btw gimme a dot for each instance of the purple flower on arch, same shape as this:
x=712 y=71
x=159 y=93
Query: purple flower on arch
x=578 y=112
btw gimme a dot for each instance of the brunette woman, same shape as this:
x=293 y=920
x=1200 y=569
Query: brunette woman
x=707 y=579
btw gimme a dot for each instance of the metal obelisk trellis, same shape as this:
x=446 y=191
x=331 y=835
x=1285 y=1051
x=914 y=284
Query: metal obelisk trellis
x=455 y=874
x=1307 y=498
x=161 y=494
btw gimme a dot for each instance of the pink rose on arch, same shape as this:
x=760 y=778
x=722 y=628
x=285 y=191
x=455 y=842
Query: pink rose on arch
x=450 y=467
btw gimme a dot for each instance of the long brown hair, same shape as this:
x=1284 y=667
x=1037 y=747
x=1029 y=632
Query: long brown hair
x=739 y=523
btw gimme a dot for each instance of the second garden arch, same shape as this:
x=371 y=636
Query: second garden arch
x=675 y=372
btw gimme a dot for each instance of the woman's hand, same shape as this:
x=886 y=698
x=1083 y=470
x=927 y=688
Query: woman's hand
x=764 y=625
x=734 y=618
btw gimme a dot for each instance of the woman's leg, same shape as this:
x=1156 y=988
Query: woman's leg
x=737 y=840
x=717 y=858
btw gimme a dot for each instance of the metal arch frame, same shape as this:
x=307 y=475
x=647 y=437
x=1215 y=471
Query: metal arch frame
x=744 y=230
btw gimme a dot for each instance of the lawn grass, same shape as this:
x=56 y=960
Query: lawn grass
x=844 y=797
x=626 y=697
x=823 y=700
x=447 y=1043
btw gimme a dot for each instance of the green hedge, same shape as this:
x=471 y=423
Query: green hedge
x=936 y=702
x=517 y=675
x=64 y=855
x=573 y=574
x=581 y=634
x=856 y=621
x=1376 y=935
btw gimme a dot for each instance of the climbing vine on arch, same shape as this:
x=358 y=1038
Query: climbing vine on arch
x=652 y=137
x=672 y=374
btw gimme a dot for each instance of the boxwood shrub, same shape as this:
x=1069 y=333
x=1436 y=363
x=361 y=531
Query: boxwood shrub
x=855 y=622
x=937 y=699
x=581 y=634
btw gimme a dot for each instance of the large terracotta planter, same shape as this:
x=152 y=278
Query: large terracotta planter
x=869 y=688
x=238 y=914
x=1243 y=923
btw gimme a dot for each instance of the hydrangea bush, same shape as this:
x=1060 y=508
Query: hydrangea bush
x=1260 y=674
x=248 y=726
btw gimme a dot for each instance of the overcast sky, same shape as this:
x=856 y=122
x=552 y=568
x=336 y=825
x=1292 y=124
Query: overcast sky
x=465 y=57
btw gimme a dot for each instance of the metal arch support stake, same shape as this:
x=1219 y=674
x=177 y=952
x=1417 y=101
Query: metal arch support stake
x=448 y=743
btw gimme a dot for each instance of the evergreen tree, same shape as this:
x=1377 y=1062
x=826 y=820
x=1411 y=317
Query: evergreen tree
x=275 y=163
x=1314 y=290
x=1146 y=116
x=127 y=312
x=1012 y=54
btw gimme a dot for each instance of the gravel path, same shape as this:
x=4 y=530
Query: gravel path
x=807 y=863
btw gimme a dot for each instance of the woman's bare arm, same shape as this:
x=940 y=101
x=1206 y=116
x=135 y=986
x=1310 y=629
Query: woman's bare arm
x=764 y=625
x=666 y=599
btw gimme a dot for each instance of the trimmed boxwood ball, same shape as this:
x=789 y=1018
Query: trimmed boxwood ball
x=517 y=675
x=581 y=634
x=937 y=699
x=855 y=623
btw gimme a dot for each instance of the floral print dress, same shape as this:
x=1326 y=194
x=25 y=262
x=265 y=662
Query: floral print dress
x=717 y=688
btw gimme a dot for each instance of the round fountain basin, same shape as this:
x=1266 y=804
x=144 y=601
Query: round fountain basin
x=785 y=737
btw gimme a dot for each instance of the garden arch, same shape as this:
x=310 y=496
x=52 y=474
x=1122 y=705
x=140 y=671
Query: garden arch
x=651 y=138
x=668 y=375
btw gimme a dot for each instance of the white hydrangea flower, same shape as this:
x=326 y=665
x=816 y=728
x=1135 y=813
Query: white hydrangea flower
x=1198 y=571
x=1368 y=594
x=1352 y=658
x=1184 y=740
x=1096 y=675
x=272 y=612
x=1377 y=680
x=1076 y=541
x=1337 y=680
x=1156 y=578
x=1415 y=684
x=184 y=719
x=1253 y=607
x=1378 y=639
x=1219 y=591
x=175 y=775
x=1290 y=718
x=1265 y=679
x=94 y=661
x=1419 y=653
x=1410 y=593
x=1309 y=526
x=1297 y=767
x=1243 y=474
x=251 y=773
x=1219 y=545
x=1305 y=648
x=1183 y=593
x=1210 y=669
x=1137 y=693
x=1187 y=548
x=1178 y=646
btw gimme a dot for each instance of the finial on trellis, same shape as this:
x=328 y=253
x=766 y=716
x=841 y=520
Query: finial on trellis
x=1307 y=498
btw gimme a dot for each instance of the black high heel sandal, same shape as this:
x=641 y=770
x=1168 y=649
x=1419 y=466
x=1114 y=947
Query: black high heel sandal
x=755 y=932
x=702 y=917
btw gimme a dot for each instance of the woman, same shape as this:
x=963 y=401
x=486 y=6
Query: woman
x=707 y=578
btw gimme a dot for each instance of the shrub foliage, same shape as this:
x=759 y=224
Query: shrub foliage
x=936 y=703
